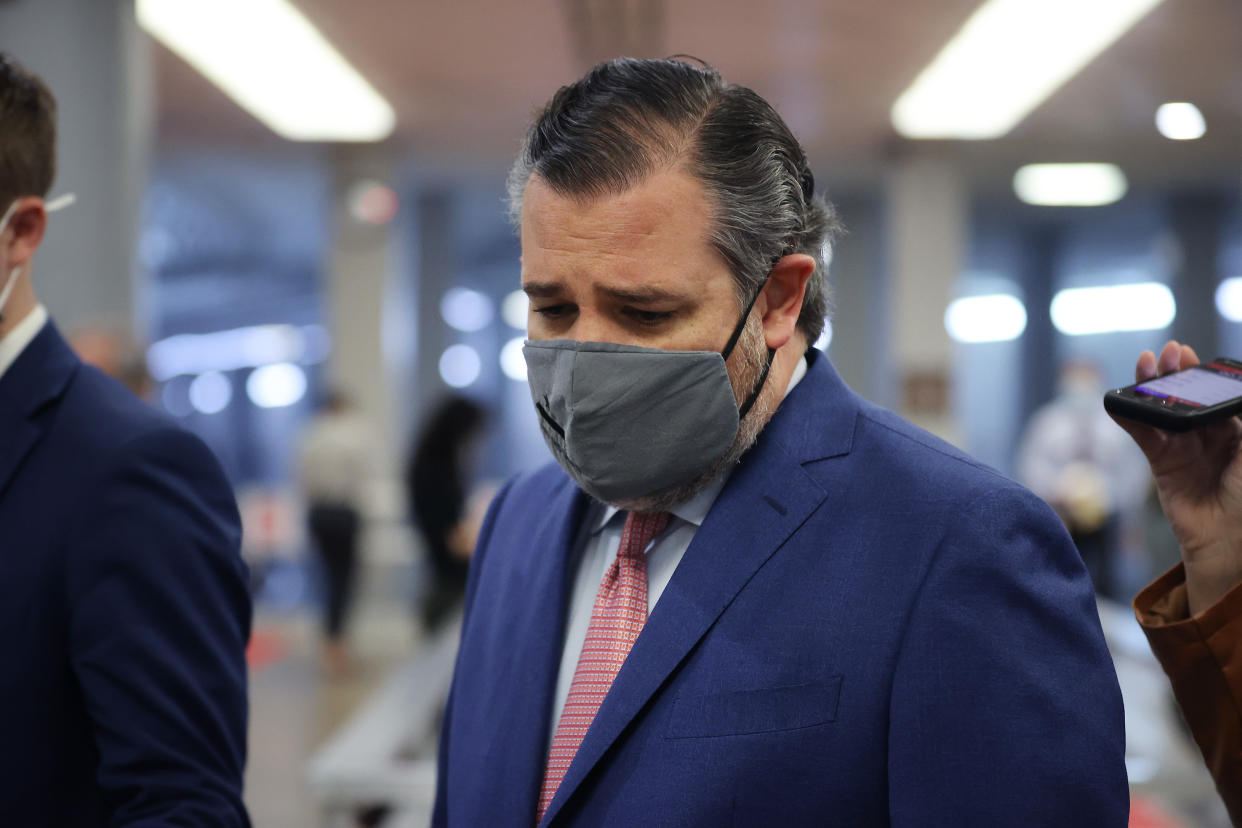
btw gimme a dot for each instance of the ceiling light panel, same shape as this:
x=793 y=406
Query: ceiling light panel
x=1070 y=185
x=1142 y=306
x=274 y=63
x=997 y=317
x=1180 y=121
x=1005 y=61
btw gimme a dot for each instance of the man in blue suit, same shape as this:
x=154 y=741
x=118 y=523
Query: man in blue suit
x=123 y=597
x=746 y=596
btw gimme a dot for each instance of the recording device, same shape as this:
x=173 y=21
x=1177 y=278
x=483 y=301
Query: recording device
x=1182 y=400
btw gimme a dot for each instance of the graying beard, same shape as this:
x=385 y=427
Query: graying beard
x=753 y=350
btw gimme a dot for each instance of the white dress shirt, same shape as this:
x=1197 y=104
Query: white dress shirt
x=16 y=340
x=599 y=544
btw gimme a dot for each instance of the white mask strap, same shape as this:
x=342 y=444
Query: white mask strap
x=8 y=214
x=8 y=288
x=58 y=203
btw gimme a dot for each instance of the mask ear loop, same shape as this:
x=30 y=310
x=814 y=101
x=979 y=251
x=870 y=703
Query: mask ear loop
x=8 y=214
x=728 y=349
x=8 y=288
x=754 y=395
x=737 y=332
x=59 y=203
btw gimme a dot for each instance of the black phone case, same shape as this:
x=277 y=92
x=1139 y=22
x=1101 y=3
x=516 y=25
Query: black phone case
x=1152 y=412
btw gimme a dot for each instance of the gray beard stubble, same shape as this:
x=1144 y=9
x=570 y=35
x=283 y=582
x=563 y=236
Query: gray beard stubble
x=752 y=348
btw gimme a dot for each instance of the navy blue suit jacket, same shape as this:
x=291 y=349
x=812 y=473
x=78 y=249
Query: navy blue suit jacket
x=124 y=606
x=869 y=629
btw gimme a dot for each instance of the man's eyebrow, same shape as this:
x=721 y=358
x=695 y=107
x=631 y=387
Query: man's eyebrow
x=640 y=295
x=541 y=290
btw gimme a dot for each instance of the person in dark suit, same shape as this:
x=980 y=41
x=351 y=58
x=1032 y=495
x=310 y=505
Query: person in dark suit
x=743 y=595
x=123 y=596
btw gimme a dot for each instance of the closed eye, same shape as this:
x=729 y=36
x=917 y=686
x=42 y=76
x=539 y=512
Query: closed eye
x=554 y=311
x=648 y=317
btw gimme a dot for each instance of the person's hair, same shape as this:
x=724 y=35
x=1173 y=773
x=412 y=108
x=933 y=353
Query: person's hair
x=27 y=133
x=451 y=423
x=627 y=118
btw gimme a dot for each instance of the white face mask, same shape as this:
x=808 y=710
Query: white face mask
x=49 y=207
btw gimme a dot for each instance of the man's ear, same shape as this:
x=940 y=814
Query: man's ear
x=25 y=230
x=781 y=299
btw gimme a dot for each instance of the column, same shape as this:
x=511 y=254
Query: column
x=927 y=222
x=1195 y=220
x=437 y=266
x=359 y=304
x=859 y=322
x=1039 y=250
x=97 y=63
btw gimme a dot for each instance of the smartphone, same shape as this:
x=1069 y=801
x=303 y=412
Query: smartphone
x=1182 y=400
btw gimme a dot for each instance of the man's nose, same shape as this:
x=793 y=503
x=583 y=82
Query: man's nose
x=590 y=327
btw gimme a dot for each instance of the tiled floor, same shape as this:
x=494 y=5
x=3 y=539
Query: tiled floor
x=295 y=707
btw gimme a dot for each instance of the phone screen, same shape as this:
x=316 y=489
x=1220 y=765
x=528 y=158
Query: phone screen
x=1205 y=385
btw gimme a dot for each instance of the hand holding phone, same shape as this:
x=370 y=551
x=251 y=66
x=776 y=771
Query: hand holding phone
x=1198 y=474
x=1192 y=397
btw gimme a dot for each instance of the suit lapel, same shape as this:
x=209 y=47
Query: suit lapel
x=36 y=378
x=523 y=692
x=767 y=498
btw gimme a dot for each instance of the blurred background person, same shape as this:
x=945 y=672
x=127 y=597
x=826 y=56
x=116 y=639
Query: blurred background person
x=444 y=505
x=335 y=461
x=1072 y=456
x=113 y=351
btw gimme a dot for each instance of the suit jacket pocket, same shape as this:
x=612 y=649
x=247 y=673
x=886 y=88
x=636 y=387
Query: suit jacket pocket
x=755 y=711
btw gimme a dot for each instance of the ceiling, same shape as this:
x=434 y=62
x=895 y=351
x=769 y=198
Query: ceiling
x=466 y=76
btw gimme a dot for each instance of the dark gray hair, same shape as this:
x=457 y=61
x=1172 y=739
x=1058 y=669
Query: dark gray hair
x=626 y=118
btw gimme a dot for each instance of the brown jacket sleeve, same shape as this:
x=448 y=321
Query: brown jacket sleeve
x=1203 y=659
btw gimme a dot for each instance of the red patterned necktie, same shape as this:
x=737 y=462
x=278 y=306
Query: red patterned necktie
x=617 y=618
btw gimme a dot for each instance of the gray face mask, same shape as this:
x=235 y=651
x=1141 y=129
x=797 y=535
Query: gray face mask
x=627 y=422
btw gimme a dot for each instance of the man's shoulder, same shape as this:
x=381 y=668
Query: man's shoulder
x=135 y=470
x=544 y=485
x=920 y=446
x=533 y=503
x=902 y=455
x=828 y=419
x=103 y=425
x=529 y=502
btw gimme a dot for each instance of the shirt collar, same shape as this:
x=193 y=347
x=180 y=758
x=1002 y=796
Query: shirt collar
x=696 y=508
x=23 y=333
x=798 y=373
